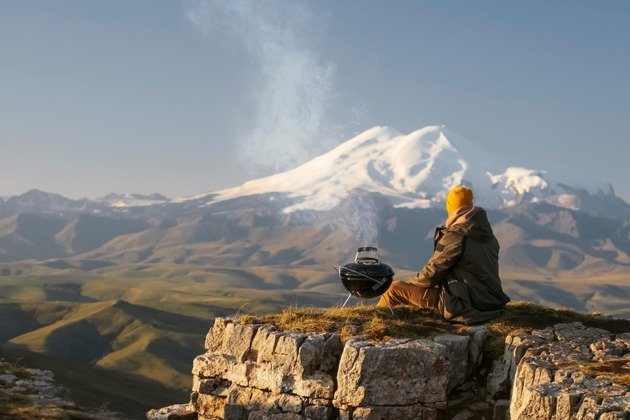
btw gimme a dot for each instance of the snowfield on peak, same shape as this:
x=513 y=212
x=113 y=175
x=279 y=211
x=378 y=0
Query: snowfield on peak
x=415 y=170
x=132 y=199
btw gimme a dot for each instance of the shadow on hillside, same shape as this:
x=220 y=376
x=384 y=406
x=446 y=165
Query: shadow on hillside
x=80 y=341
x=163 y=320
x=551 y=294
x=94 y=387
x=21 y=321
x=609 y=298
x=69 y=292
x=179 y=356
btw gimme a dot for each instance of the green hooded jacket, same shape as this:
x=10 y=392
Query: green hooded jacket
x=465 y=268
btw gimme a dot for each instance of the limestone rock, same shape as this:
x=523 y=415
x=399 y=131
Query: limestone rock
x=173 y=412
x=257 y=372
x=414 y=411
x=400 y=372
x=550 y=383
x=33 y=394
x=478 y=338
x=237 y=341
x=214 y=338
x=456 y=357
x=502 y=373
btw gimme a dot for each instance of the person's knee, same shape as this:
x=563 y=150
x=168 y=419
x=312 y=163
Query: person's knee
x=395 y=290
x=396 y=284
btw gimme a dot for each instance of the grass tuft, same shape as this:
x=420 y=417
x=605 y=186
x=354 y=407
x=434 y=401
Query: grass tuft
x=380 y=325
x=618 y=371
x=22 y=373
x=18 y=371
x=376 y=324
x=524 y=317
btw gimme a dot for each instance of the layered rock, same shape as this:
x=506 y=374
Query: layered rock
x=256 y=372
x=252 y=371
x=573 y=372
x=255 y=369
x=33 y=394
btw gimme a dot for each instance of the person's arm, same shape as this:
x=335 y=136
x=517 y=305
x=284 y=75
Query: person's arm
x=447 y=252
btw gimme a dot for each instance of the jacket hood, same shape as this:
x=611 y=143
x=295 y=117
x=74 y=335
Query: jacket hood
x=476 y=228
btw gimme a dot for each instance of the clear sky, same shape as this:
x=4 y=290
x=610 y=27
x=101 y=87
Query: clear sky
x=187 y=97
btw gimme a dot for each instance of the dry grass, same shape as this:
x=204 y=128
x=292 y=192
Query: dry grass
x=13 y=369
x=380 y=325
x=617 y=371
x=377 y=324
x=524 y=317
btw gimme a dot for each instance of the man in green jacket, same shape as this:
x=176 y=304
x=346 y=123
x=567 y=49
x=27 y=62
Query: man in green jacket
x=461 y=279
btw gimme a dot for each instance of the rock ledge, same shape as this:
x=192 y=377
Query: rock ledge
x=256 y=372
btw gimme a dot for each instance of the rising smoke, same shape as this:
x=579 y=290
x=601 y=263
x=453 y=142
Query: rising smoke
x=295 y=86
x=359 y=215
x=295 y=92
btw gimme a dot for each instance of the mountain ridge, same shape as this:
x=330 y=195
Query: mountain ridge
x=414 y=170
x=126 y=277
x=417 y=170
x=249 y=226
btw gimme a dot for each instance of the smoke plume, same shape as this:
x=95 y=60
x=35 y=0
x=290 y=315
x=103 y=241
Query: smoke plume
x=359 y=215
x=295 y=86
x=295 y=95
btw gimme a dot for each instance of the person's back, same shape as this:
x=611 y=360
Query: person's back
x=471 y=289
x=462 y=277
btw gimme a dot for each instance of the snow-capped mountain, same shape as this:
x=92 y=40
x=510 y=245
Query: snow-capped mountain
x=416 y=171
x=41 y=202
x=132 y=199
x=380 y=188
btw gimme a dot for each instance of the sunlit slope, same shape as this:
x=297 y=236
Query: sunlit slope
x=198 y=291
x=248 y=240
x=119 y=335
x=204 y=292
x=587 y=291
x=95 y=387
x=29 y=236
x=85 y=232
x=146 y=319
x=21 y=317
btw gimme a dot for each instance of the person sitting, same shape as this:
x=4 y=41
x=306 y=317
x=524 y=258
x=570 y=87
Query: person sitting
x=461 y=279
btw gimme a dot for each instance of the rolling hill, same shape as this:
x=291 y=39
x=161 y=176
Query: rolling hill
x=129 y=284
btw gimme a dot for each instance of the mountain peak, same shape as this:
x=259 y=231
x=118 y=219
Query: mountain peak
x=417 y=170
x=36 y=200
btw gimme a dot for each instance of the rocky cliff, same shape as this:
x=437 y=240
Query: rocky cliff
x=33 y=394
x=565 y=371
x=569 y=371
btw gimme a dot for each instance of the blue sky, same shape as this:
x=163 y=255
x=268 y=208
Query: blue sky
x=188 y=97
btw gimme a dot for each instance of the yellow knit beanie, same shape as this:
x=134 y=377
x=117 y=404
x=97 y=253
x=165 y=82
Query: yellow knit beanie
x=458 y=197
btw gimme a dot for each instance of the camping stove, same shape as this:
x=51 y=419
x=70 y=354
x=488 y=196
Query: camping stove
x=367 y=277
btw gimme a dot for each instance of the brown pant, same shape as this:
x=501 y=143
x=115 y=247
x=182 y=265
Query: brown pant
x=402 y=292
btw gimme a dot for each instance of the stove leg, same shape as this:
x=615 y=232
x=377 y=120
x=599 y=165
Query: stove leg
x=347 y=299
x=390 y=309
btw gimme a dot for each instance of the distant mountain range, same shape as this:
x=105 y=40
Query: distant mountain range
x=417 y=170
x=411 y=171
x=127 y=271
x=380 y=187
